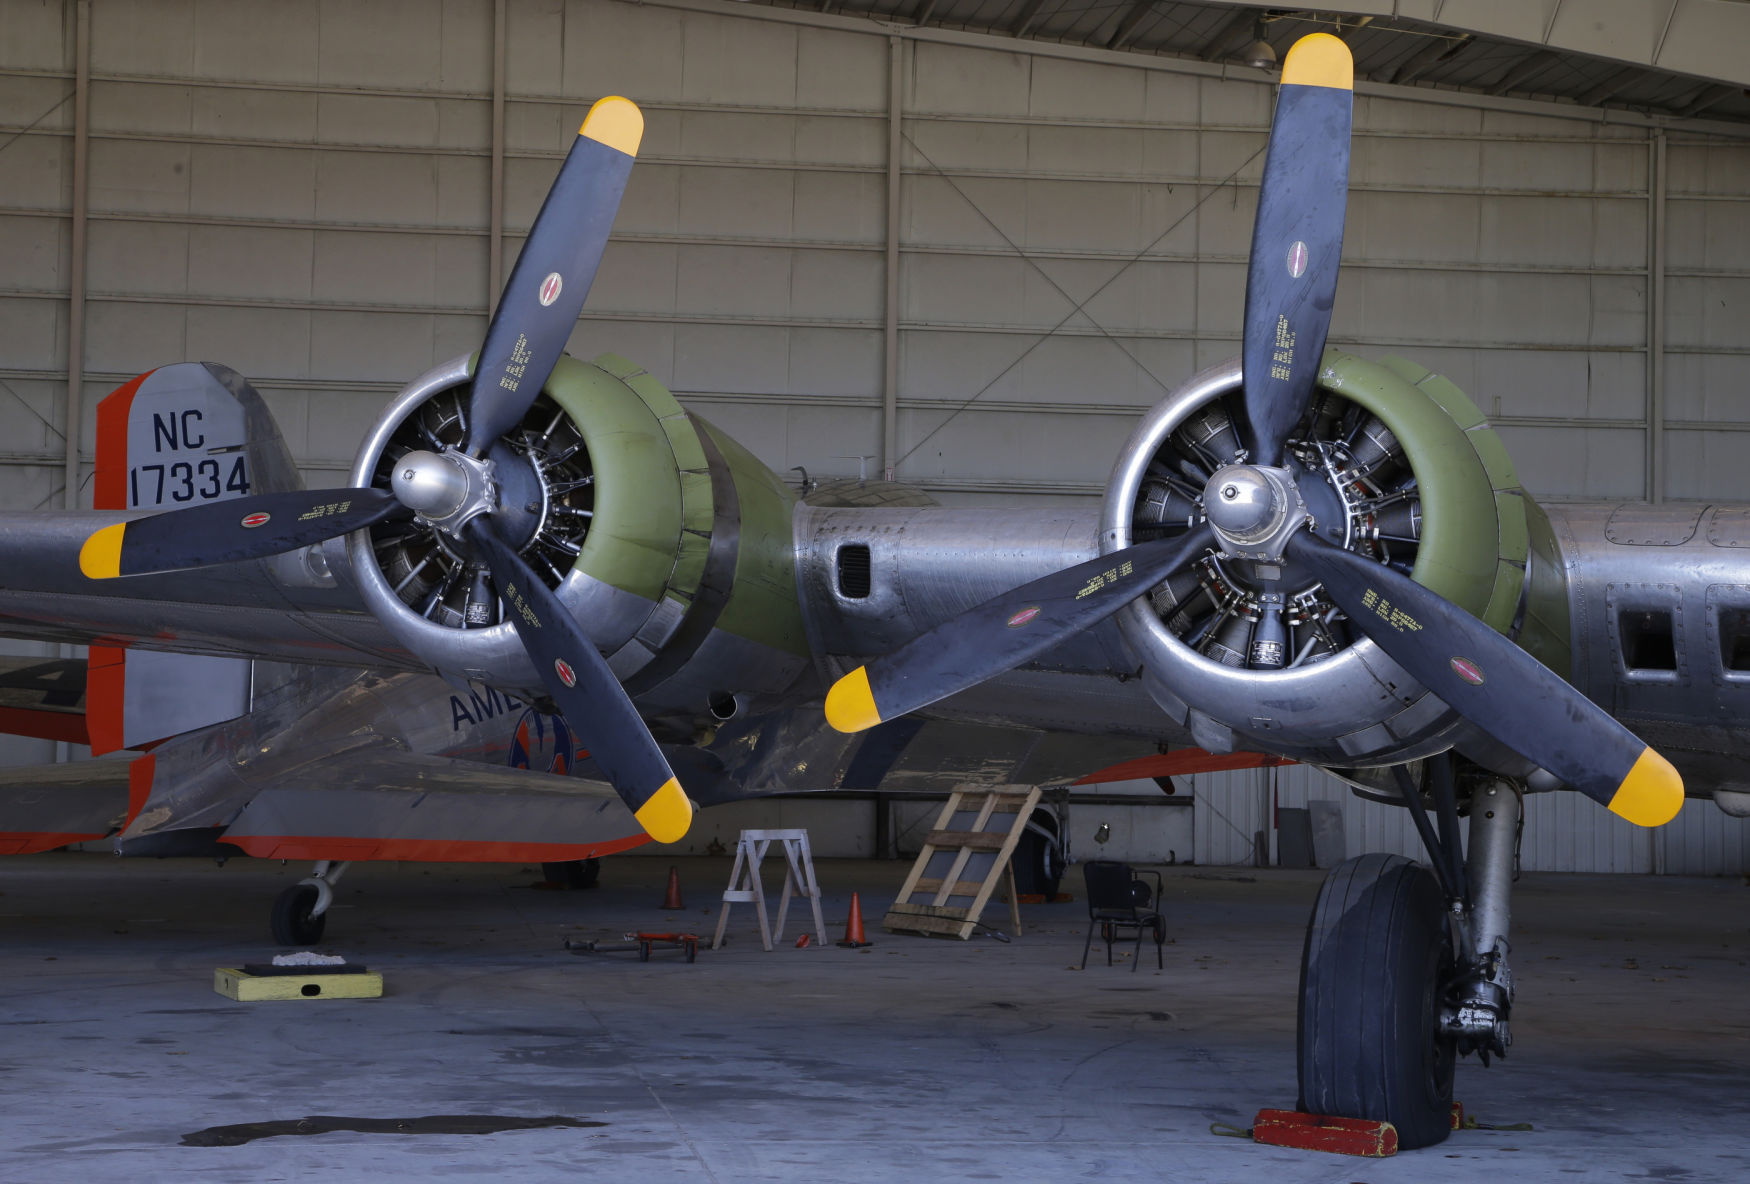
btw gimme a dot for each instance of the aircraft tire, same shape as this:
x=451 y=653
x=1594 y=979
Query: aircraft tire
x=1038 y=864
x=576 y=873
x=292 y=923
x=1377 y=956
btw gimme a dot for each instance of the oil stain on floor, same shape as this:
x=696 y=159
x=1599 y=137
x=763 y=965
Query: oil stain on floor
x=432 y=1124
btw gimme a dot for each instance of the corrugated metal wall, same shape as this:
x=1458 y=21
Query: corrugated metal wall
x=1564 y=832
x=302 y=190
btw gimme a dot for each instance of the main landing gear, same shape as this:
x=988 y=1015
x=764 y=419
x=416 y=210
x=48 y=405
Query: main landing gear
x=300 y=913
x=1405 y=967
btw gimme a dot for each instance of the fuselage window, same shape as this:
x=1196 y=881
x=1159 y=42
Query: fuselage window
x=854 y=574
x=1645 y=635
x=1735 y=638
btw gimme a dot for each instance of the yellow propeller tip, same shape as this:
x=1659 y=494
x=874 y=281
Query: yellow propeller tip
x=615 y=122
x=850 y=706
x=101 y=556
x=1319 y=59
x=1651 y=794
x=667 y=814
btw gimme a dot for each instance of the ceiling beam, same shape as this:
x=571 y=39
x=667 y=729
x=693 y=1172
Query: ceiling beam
x=922 y=11
x=1126 y=30
x=1024 y=23
x=1229 y=36
x=1348 y=35
x=1437 y=50
x=1708 y=96
x=1528 y=68
x=1613 y=83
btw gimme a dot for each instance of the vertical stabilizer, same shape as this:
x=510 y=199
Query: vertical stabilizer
x=178 y=436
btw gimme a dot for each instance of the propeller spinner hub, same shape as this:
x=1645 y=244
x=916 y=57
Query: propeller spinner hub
x=446 y=489
x=1241 y=502
x=1253 y=509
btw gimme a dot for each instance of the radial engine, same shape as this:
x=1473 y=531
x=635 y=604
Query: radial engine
x=669 y=542
x=1391 y=461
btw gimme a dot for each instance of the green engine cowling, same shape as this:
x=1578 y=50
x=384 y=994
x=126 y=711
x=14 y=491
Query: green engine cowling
x=670 y=543
x=1409 y=464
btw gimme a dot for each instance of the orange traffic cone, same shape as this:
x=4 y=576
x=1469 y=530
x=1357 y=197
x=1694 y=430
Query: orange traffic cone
x=673 y=899
x=854 y=939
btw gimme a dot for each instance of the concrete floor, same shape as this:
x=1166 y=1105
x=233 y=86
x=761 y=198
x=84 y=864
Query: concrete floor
x=916 y=1059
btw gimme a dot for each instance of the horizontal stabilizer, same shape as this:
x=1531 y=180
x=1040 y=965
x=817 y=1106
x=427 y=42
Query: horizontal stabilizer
x=49 y=806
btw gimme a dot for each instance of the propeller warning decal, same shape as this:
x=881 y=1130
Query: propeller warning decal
x=1397 y=618
x=1297 y=260
x=1110 y=576
x=550 y=288
x=251 y=521
x=566 y=674
x=1282 y=348
x=1023 y=617
x=1467 y=670
x=326 y=510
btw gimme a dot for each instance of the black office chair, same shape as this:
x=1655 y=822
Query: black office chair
x=1119 y=899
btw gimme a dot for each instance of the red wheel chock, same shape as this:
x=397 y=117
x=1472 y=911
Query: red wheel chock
x=1323 y=1132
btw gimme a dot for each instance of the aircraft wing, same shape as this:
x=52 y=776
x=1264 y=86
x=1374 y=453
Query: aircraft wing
x=384 y=804
x=390 y=804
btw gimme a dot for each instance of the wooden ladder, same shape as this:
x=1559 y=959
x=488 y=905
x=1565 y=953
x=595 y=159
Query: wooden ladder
x=962 y=859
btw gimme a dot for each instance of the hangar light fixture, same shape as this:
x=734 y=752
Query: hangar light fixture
x=1258 y=54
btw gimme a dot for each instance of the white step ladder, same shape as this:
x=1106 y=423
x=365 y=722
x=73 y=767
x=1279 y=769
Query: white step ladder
x=745 y=888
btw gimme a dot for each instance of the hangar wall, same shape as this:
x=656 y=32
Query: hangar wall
x=304 y=191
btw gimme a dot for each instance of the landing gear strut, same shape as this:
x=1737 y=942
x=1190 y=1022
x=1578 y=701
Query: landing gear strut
x=300 y=913
x=1405 y=967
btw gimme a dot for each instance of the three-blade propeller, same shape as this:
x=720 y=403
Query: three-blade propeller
x=1290 y=288
x=528 y=332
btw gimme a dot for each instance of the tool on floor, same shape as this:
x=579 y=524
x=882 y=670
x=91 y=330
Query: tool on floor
x=745 y=888
x=854 y=939
x=688 y=943
x=673 y=899
x=964 y=856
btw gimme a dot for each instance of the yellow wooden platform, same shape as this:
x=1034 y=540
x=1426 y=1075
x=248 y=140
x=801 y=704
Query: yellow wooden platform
x=248 y=988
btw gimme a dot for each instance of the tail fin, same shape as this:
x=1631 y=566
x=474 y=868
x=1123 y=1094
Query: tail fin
x=181 y=435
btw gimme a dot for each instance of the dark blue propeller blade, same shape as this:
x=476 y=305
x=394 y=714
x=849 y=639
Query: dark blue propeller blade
x=1005 y=631
x=589 y=696
x=553 y=273
x=1496 y=685
x=1296 y=240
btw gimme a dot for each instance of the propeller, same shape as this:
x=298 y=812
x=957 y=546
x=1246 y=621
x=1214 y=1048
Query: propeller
x=455 y=491
x=1254 y=509
x=1005 y=631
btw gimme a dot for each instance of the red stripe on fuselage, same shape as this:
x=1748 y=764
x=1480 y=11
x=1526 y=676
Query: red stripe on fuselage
x=24 y=842
x=1180 y=763
x=313 y=847
x=44 y=725
x=109 y=491
x=109 y=486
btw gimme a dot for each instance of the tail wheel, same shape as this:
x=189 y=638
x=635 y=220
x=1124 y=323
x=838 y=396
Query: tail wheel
x=1377 y=958
x=293 y=923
